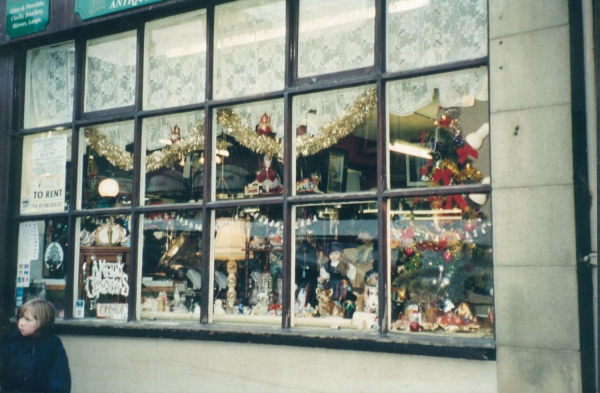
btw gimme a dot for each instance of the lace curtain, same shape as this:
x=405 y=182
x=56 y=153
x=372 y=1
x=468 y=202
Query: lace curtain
x=424 y=33
x=249 y=56
x=335 y=36
x=459 y=88
x=110 y=72
x=315 y=110
x=250 y=115
x=175 y=61
x=156 y=128
x=49 y=85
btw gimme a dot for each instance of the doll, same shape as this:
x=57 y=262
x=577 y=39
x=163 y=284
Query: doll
x=337 y=274
x=269 y=177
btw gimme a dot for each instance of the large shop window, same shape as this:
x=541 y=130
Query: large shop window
x=240 y=195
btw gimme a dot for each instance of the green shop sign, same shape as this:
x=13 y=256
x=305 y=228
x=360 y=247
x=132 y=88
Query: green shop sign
x=89 y=9
x=26 y=16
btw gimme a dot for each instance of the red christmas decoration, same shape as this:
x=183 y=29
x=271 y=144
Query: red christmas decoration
x=469 y=226
x=264 y=128
x=466 y=151
x=447 y=256
x=442 y=174
x=409 y=251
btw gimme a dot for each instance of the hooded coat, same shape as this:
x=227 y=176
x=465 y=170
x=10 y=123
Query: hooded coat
x=34 y=364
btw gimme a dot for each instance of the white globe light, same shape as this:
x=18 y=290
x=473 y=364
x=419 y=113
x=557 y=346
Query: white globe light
x=108 y=188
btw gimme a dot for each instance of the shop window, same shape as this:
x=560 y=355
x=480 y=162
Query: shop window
x=110 y=71
x=49 y=84
x=46 y=168
x=249 y=53
x=438 y=129
x=249 y=150
x=336 y=266
x=336 y=141
x=424 y=33
x=335 y=36
x=175 y=61
x=248 y=265
x=441 y=273
x=106 y=154
x=41 y=261
x=103 y=267
x=173 y=160
x=171 y=265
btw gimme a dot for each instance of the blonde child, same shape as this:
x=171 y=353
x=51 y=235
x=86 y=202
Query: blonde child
x=34 y=360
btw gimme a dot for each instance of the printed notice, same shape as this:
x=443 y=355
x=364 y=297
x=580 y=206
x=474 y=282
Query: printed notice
x=48 y=163
x=26 y=17
x=28 y=241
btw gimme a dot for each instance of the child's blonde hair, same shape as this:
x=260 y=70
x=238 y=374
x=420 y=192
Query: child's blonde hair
x=42 y=310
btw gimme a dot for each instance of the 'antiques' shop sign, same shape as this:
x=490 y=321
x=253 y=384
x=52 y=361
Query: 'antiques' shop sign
x=26 y=17
x=89 y=9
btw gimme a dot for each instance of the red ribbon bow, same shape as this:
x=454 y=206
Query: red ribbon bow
x=425 y=169
x=460 y=201
x=465 y=152
x=442 y=174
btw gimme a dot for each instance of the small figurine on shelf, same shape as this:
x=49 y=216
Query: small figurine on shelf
x=264 y=128
x=269 y=177
x=337 y=274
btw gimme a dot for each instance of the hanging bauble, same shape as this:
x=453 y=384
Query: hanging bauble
x=409 y=251
x=458 y=140
x=469 y=226
x=447 y=256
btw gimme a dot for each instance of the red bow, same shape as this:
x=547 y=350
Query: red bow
x=460 y=201
x=425 y=169
x=422 y=138
x=445 y=121
x=443 y=175
x=465 y=152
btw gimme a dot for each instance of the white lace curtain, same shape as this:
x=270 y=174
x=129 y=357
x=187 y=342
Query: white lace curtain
x=157 y=128
x=424 y=33
x=335 y=35
x=49 y=85
x=249 y=56
x=459 y=88
x=175 y=61
x=110 y=72
x=316 y=110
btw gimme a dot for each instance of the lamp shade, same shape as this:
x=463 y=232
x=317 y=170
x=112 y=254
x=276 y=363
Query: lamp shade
x=476 y=138
x=480 y=199
x=108 y=188
x=230 y=241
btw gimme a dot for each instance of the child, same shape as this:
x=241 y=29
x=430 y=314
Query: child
x=337 y=274
x=33 y=359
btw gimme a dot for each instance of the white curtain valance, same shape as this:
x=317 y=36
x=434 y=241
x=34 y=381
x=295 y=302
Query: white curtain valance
x=456 y=89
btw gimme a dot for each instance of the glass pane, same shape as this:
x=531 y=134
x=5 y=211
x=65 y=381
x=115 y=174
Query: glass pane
x=335 y=36
x=42 y=257
x=336 y=265
x=442 y=276
x=103 y=267
x=110 y=71
x=49 y=80
x=438 y=128
x=175 y=61
x=106 y=154
x=249 y=53
x=423 y=33
x=171 y=264
x=248 y=265
x=336 y=141
x=174 y=157
x=46 y=166
x=249 y=150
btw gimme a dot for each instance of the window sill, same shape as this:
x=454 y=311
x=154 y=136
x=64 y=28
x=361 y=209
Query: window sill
x=407 y=344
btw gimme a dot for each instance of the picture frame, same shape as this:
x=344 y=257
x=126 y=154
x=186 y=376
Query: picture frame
x=337 y=170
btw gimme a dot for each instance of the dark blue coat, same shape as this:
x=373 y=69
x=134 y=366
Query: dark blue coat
x=34 y=364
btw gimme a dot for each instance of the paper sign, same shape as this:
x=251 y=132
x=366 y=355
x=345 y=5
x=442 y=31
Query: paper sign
x=48 y=174
x=28 y=241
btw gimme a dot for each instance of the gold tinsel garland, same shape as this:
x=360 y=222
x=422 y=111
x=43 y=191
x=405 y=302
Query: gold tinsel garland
x=306 y=145
x=154 y=161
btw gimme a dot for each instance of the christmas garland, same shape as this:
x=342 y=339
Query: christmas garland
x=306 y=145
